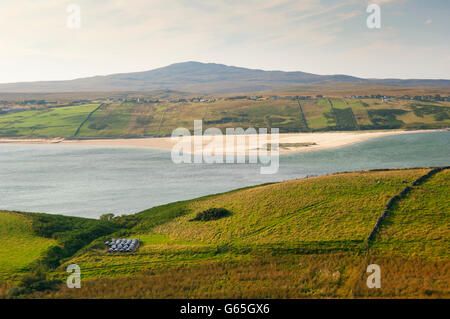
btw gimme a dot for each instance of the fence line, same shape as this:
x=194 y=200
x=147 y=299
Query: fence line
x=400 y=196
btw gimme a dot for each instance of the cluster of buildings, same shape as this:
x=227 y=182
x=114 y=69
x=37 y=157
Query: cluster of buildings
x=173 y=100
x=273 y=97
x=201 y=100
x=384 y=98
x=4 y=110
x=436 y=97
x=387 y=98
x=29 y=102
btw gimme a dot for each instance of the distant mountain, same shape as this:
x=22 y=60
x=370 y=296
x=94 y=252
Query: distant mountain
x=201 y=78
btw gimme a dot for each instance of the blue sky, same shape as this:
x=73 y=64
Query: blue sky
x=317 y=36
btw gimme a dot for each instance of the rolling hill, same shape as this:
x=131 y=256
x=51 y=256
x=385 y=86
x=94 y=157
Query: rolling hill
x=201 y=78
x=300 y=238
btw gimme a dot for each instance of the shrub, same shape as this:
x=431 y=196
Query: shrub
x=107 y=217
x=211 y=214
x=36 y=280
x=97 y=126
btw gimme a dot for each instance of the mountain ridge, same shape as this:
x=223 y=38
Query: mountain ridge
x=201 y=77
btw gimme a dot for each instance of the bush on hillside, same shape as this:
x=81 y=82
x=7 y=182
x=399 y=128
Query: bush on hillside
x=211 y=214
x=35 y=280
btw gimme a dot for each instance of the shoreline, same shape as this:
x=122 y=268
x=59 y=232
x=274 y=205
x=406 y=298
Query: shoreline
x=314 y=141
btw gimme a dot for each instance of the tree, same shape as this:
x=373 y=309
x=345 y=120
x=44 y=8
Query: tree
x=107 y=217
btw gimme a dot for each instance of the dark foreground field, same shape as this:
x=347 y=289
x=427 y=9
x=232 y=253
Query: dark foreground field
x=301 y=238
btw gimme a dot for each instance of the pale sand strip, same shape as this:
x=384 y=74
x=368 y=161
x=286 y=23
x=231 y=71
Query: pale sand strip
x=322 y=141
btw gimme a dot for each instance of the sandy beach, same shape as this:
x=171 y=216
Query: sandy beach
x=288 y=142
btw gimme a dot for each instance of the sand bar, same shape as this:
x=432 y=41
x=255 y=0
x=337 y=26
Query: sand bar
x=287 y=141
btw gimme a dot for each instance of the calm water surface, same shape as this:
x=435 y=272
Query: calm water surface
x=89 y=181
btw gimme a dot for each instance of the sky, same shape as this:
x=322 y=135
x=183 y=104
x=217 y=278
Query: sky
x=40 y=40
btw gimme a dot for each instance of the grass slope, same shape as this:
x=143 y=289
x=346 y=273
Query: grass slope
x=336 y=209
x=419 y=224
x=300 y=238
x=20 y=246
x=51 y=122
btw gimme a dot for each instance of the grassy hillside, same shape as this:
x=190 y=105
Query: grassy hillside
x=20 y=246
x=419 y=225
x=33 y=244
x=132 y=119
x=50 y=122
x=300 y=238
x=317 y=211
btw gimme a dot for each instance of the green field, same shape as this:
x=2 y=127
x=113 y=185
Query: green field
x=50 y=122
x=20 y=246
x=132 y=119
x=420 y=225
x=300 y=238
x=280 y=214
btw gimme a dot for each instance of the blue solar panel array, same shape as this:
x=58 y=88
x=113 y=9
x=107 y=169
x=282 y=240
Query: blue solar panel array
x=123 y=245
